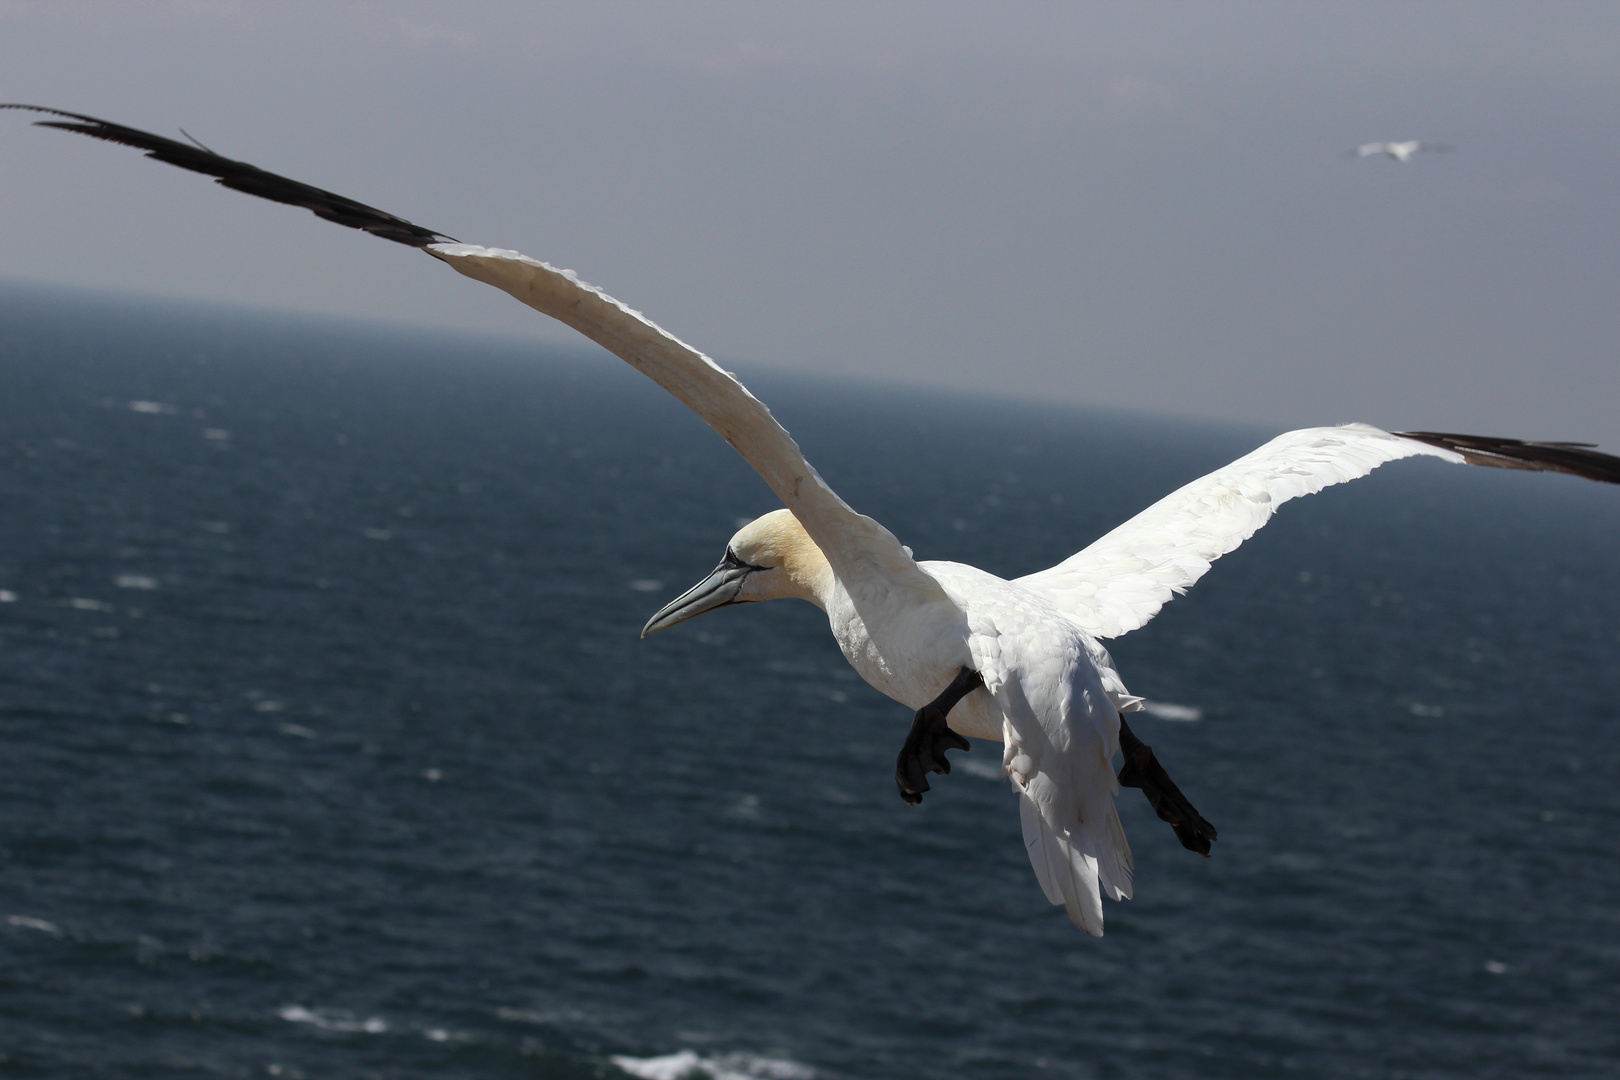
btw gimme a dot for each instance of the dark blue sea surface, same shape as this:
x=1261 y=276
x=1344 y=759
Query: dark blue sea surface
x=329 y=748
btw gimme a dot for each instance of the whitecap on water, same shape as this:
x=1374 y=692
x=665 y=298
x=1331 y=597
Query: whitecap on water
x=646 y=585
x=687 y=1065
x=135 y=581
x=987 y=767
x=1164 y=710
x=332 y=1019
x=28 y=922
x=152 y=407
x=746 y=807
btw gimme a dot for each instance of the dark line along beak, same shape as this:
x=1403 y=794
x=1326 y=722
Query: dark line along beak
x=717 y=590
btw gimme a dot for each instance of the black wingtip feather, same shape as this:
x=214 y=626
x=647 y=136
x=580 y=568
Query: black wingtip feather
x=249 y=179
x=1577 y=459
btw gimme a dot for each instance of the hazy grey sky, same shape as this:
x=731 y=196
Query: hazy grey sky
x=1124 y=205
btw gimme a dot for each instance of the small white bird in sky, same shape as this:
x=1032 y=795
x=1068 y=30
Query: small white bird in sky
x=1399 y=151
x=1021 y=661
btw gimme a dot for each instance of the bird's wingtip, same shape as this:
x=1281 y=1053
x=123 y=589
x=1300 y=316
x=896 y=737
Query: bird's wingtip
x=240 y=176
x=1576 y=459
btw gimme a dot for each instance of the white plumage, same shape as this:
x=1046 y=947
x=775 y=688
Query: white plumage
x=1122 y=580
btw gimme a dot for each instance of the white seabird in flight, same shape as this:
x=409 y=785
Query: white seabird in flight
x=1019 y=661
x=1399 y=151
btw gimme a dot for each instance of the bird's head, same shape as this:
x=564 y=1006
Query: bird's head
x=770 y=558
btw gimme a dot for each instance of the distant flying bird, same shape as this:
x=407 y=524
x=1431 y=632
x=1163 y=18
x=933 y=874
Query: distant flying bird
x=1399 y=151
x=1018 y=661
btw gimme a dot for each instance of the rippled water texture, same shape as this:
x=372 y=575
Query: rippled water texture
x=330 y=748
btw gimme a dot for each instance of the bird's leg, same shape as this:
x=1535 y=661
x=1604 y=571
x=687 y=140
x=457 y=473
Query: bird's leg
x=930 y=737
x=1142 y=770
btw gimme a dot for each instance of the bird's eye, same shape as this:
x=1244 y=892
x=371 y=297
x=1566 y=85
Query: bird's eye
x=732 y=559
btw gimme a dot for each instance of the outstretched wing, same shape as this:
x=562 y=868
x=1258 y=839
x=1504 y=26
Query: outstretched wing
x=850 y=541
x=1120 y=582
x=847 y=538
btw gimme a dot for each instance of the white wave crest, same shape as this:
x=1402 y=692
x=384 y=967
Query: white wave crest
x=687 y=1065
x=988 y=768
x=1166 y=711
x=332 y=1019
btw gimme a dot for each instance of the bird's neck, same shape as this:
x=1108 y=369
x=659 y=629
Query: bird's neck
x=809 y=575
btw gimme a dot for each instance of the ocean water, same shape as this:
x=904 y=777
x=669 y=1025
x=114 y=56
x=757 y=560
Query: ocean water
x=330 y=749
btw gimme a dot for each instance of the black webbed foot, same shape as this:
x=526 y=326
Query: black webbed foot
x=1142 y=770
x=930 y=737
x=924 y=752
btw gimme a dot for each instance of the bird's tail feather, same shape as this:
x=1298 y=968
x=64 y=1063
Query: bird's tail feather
x=1114 y=861
x=1068 y=874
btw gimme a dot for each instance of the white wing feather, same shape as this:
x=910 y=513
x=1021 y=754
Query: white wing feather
x=1122 y=580
x=860 y=550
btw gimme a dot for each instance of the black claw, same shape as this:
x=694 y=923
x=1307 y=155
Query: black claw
x=1142 y=770
x=930 y=737
x=924 y=752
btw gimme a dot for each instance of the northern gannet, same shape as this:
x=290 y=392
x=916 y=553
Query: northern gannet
x=1398 y=151
x=972 y=654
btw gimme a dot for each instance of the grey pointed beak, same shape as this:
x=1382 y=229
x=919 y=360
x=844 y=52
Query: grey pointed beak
x=717 y=590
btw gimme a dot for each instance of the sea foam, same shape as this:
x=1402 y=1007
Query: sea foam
x=687 y=1065
x=1164 y=710
x=332 y=1019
